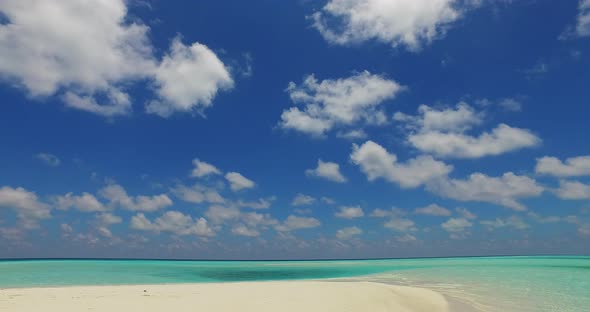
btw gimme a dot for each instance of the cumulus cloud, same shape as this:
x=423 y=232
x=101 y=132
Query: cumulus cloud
x=511 y=222
x=296 y=223
x=203 y=169
x=85 y=202
x=338 y=103
x=348 y=232
x=238 y=182
x=433 y=210
x=27 y=206
x=49 y=159
x=348 y=212
x=573 y=190
x=401 y=225
x=197 y=194
x=302 y=200
x=327 y=170
x=89 y=52
x=375 y=162
x=219 y=214
x=187 y=79
x=104 y=221
x=443 y=133
x=505 y=190
x=409 y=23
x=173 y=222
x=117 y=196
x=572 y=167
x=456 y=225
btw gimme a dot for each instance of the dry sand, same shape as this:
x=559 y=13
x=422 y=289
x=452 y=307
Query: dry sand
x=291 y=296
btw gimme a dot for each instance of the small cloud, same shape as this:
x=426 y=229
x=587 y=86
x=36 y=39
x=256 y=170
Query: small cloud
x=302 y=200
x=536 y=71
x=48 y=159
x=203 y=169
x=328 y=171
x=348 y=212
x=433 y=210
x=348 y=232
x=238 y=182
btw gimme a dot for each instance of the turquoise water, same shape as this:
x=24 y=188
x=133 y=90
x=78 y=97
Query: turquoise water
x=490 y=283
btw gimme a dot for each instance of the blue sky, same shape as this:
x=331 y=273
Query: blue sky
x=294 y=129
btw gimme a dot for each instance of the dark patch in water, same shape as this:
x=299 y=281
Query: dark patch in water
x=268 y=274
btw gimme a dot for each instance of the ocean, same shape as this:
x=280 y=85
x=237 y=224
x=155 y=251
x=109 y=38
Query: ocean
x=540 y=283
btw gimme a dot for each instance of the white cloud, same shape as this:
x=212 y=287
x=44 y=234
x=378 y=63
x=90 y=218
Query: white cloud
x=197 y=194
x=355 y=134
x=507 y=104
x=253 y=219
x=393 y=212
x=327 y=200
x=219 y=214
x=583 y=23
x=466 y=213
x=573 y=167
x=502 y=139
x=238 y=182
x=347 y=212
x=456 y=225
x=462 y=118
x=407 y=238
x=327 y=170
x=262 y=203
x=117 y=195
x=376 y=163
x=401 y=225
x=104 y=221
x=410 y=23
x=505 y=190
x=29 y=210
x=49 y=159
x=173 y=222
x=203 y=169
x=188 y=79
x=510 y=104
x=443 y=133
x=573 y=190
x=89 y=52
x=433 y=210
x=302 y=200
x=336 y=103
x=85 y=202
x=295 y=223
x=512 y=222
x=66 y=229
x=348 y=232
x=242 y=230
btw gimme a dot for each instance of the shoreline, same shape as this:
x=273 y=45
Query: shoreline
x=288 y=296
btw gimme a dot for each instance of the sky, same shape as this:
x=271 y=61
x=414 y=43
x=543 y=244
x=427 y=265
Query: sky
x=300 y=129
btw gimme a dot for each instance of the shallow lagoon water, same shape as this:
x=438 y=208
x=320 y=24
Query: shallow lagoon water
x=489 y=283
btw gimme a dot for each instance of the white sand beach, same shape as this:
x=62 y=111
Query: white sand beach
x=290 y=296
